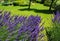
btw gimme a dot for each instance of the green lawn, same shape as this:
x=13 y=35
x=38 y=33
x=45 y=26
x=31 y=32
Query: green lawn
x=36 y=9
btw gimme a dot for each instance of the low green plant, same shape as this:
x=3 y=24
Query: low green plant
x=53 y=32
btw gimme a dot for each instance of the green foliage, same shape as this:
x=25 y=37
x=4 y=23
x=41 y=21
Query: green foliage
x=6 y=4
x=53 y=33
x=48 y=3
x=15 y=3
x=58 y=2
x=57 y=5
x=22 y=1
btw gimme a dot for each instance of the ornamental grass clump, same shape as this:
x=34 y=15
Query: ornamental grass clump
x=53 y=33
x=20 y=28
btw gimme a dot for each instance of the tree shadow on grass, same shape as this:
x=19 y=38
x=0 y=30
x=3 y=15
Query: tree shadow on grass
x=38 y=11
x=24 y=5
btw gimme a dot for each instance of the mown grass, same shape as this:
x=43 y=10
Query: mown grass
x=36 y=9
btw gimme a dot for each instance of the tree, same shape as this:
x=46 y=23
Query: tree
x=29 y=4
x=51 y=4
x=42 y=1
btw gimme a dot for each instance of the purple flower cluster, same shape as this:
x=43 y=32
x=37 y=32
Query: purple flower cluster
x=30 y=29
x=24 y=28
x=56 y=17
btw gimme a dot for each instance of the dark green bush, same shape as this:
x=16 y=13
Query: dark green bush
x=16 y=3
x=53 y=33
x=6 y=4
x=57 y=7
x=42 y=1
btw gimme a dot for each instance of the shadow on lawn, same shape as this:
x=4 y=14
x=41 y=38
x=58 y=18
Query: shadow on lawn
x=38 y=11
x=24 y=5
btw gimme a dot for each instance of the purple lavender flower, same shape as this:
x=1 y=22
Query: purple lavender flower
x=16 y=19
x=7 y=14
x=26 y=28
x=31 y=28
x=22 y=19
x=56 y=17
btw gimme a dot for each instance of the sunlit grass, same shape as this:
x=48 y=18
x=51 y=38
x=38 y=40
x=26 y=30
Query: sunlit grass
x=15 y=10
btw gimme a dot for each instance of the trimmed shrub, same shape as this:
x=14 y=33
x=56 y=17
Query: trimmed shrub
x=15 y=28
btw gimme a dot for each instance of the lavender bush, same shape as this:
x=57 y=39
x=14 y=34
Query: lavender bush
x=15 y=28
x=53 y=33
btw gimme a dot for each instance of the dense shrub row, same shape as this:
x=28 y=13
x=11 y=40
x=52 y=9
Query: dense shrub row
x=15 y=28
